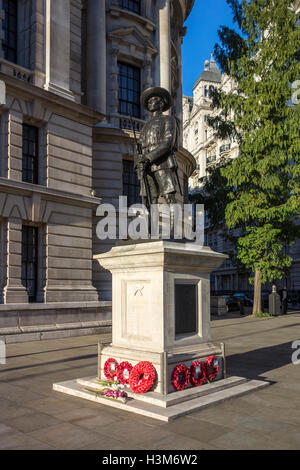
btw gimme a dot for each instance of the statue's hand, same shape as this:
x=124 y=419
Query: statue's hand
x=142 y=159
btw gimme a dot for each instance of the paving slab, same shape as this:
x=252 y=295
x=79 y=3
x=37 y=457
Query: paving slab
x=264 y=419
x=64 y=436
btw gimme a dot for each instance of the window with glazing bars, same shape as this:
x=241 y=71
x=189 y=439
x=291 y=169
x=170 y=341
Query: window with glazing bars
x=30 y=260
x=129 y=79
x=30 y=158
x=131 y=184
x=10 y=29
x=131 y=5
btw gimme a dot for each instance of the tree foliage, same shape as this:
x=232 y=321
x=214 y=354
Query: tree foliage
x=214 y=194
x=263 y=183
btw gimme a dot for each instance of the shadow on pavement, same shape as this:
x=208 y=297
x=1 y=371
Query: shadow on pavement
x=254 y=364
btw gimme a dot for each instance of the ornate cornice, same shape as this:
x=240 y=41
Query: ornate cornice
x=180 y=11
x=31 y=93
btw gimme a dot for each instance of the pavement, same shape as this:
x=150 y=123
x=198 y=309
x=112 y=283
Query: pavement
x=33 y=416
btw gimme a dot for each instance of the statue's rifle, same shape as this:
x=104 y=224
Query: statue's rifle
x=145 y=180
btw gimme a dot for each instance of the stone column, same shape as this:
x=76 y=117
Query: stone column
x=114 y=86
x=57 y=47
x=148 y=71
x=179 y=91
x=165 y=44
x=96 y=55
x=38 y=22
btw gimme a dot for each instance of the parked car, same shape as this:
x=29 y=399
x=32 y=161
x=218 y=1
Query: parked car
x=238 y=296
x=247 y=301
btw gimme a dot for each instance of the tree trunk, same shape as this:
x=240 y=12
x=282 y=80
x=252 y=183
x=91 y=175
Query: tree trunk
x=257 y=293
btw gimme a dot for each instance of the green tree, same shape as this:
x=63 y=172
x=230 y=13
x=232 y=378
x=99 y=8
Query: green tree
x=263 y=198
x=214 y=193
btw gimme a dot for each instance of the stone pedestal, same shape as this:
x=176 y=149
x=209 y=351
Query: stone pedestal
x=161 y=314
x=161 y=305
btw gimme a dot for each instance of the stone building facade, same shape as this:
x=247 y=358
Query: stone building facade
x=198 y=136
x=71 y=73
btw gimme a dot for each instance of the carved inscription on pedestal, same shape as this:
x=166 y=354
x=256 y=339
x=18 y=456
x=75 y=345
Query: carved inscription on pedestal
x=136 y=300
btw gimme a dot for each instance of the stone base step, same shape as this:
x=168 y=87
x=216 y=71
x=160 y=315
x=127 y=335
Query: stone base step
x=72 y=387
x=174 y=398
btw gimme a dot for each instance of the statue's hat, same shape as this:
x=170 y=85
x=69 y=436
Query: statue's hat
x=156 y=91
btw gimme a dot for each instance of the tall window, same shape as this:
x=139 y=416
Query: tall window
x=129 y=79
x=131 y=184
x=30 y=260
x=131 y=5
x=10 y=29
x=3 y=255
x=30 y=154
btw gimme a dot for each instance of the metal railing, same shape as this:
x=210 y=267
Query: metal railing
x=126 y=123
x=16 y=70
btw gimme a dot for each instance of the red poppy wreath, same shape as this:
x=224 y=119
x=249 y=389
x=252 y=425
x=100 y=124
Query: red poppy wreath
x=180 y=377
x=124 y=372
x=142 y=377
x=212 y=368
x=111 y=368
x=198 y=373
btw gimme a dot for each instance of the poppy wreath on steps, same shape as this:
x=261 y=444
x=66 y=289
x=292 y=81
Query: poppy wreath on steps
x=142 y=377
x=212 y=368
x=111 y=369
x=198 y=373
x=124 y=372
x=180 y=377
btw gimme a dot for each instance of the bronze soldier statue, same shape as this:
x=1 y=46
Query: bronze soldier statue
x=155 y=162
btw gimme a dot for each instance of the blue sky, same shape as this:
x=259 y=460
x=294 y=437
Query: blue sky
x=203 y=24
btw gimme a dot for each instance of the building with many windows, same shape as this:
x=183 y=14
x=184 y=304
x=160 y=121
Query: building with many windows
x=71 y=74
x=198 y=137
